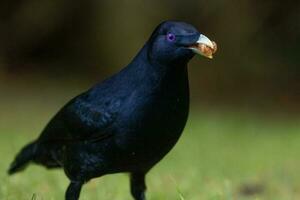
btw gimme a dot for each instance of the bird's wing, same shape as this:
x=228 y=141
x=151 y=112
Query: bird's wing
x=80 y=120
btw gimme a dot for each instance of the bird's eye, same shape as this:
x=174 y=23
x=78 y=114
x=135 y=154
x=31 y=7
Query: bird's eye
x=171 y=37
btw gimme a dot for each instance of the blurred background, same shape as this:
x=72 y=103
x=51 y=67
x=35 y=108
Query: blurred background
x=247 y=99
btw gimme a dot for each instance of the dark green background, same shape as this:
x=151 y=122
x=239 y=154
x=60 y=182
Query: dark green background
x=257 y=65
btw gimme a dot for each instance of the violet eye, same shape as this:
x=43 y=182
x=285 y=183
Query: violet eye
x=171 y=37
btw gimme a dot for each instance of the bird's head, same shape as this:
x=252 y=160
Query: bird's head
x=173 y=42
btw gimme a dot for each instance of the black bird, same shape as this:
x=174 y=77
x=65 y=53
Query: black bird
x=128 y=122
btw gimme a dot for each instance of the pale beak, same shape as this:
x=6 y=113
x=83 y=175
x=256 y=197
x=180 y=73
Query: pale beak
x=204 y=47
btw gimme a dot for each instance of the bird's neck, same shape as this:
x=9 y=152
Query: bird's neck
x=147 y=68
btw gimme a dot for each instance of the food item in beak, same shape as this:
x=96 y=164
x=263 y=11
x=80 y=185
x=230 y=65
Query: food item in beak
x=205 y=50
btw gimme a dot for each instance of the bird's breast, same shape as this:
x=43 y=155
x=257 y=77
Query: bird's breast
x=153 y=124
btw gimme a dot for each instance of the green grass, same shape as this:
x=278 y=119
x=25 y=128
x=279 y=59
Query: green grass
x=220 y=155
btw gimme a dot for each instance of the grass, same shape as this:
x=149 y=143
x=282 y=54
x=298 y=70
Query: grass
x=221 y=156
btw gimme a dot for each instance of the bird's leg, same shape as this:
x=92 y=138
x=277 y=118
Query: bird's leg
x=138 y=186
x=73 y=190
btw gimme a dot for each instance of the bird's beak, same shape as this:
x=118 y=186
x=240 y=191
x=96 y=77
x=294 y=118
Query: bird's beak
x=204 y=47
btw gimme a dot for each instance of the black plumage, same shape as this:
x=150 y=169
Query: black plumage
x=128 y=122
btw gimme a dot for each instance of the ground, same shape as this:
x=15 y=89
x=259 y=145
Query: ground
x=222 y=155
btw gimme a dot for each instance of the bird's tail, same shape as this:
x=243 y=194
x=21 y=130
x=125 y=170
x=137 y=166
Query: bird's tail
x=23 y=158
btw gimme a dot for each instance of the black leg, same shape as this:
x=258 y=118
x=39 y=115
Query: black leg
x=73 y=191
x=138 y=186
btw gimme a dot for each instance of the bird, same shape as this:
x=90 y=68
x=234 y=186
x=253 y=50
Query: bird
x=126 y=123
